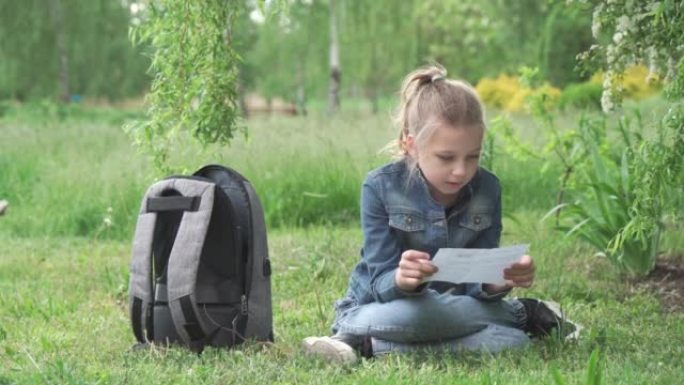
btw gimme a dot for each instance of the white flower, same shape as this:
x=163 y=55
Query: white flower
x=617 y=38
x=611 y=54
x=624 y=23
x=607 y=102
x=596 y=21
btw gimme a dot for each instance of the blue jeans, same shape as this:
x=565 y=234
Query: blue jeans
x=435 y=321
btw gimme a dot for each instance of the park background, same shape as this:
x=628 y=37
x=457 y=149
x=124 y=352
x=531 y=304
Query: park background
x=99 y=99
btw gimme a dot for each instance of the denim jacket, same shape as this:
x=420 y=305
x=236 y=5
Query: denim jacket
x=398 y=213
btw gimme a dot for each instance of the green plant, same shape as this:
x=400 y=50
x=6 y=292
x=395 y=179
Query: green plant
x=593 y=370
x=582 y=96
x=658 y=165
x=603 y=194
x=195 y=75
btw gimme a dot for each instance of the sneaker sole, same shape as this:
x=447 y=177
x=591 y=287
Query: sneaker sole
x=329 y=349
x=566 y=323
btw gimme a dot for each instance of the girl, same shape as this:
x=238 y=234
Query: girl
x=434 y=196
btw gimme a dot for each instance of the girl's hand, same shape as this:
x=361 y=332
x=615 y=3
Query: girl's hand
x=413 y=267
x=519 y=274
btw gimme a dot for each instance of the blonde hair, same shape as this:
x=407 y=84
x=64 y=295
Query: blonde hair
x=428 y=99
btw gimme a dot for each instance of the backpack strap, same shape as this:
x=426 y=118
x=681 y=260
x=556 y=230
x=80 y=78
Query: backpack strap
x=258 y=273
x=184 y=261
x=141 y=294
x=197 y=202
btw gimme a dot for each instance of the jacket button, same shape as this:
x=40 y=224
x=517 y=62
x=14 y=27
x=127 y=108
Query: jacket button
x=409 y=220
x=477 y=219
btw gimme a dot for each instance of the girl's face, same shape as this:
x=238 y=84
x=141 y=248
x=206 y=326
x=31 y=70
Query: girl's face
x=449 y=160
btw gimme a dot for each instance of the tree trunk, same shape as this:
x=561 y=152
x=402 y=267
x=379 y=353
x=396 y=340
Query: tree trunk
x=57 y=17
x=300 y=100
x=335 y=71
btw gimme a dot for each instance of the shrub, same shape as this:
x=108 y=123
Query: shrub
x=509 y=94
x=581 y=95
x=634 y=82
x=498 y=92
x=623 y=188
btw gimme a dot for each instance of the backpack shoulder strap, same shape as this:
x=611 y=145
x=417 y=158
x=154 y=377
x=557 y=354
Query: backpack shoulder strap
x=259 y=283
x=197 y=203
x=184 y=261
x=140 y=284
x=140 y=292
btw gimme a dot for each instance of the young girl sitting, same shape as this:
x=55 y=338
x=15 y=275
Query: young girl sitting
x=436 y=195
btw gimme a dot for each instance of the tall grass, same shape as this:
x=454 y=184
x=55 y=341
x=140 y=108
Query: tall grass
x=74 y=172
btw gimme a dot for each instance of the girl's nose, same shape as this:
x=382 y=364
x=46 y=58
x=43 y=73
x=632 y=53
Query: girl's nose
x=459 y=169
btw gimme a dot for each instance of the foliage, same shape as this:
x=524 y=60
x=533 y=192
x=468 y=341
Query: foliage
x=459 y=34
x=634 y=83
x=658 y=165
x=635 y=32
x=594 y=367
x=565 y=33
x=585 y=96
x=101 y=63
x=507 y=93
x=602 y=195
x=648 y=32
x=381 y=41
x=286 y=57
x=284 y=50
x=601 y=177
x=497 y=92
x=375 y=58
x=195 y=75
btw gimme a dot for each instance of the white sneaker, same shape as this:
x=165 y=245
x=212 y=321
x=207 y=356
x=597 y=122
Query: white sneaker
x=3 y=206
x=331 y=349
x=543 y=317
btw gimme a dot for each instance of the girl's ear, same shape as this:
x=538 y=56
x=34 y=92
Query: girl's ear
x=410 y=146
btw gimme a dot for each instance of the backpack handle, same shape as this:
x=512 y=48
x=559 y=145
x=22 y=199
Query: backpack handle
x=173 y=203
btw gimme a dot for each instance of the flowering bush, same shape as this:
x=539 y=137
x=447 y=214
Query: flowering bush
x=632 y=32
x=635 y=83
x=499 y=91
x=628 y=33
x=509 y=94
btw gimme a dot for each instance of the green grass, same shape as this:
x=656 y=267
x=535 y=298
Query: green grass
x=63 y=319
x=65 y=172
x=64 y=274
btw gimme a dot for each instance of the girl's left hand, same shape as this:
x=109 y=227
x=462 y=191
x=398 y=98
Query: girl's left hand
x=519 y=274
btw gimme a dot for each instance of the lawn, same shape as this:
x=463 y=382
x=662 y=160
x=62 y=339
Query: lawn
x=64 y=270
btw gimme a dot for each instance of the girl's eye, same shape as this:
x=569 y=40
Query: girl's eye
x=474 y=157
x=445 y=158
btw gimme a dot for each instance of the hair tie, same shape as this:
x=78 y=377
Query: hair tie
x=436 y=77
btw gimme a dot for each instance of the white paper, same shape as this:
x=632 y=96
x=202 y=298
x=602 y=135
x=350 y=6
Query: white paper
x=475 y=265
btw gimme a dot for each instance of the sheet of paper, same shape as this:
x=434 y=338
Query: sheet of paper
x=475 y=265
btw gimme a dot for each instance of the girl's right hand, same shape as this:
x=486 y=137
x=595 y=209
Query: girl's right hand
x=413 y=267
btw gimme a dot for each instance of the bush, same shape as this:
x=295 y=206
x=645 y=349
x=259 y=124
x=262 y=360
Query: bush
x=624 y=188
x=509 y=94
x=635 y=82
x=581 y=95
x=498 y=92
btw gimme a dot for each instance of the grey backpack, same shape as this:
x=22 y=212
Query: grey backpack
x=200 y=273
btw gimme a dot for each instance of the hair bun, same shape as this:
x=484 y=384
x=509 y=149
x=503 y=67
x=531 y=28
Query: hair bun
x=438 y=76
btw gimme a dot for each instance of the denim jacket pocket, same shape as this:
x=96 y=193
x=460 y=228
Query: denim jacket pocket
x=476 y=221
x=409 y=227
x=407 y=221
